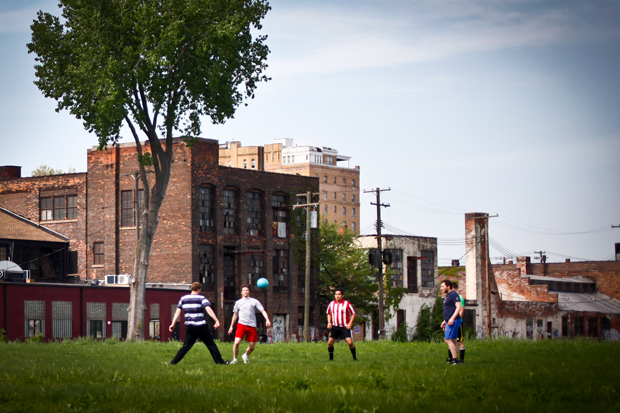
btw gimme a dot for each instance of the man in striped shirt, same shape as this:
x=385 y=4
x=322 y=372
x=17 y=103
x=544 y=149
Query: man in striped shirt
x=194 y=306
x=340 y=316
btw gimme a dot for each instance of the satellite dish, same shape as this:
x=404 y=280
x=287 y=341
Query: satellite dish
x=10 y=266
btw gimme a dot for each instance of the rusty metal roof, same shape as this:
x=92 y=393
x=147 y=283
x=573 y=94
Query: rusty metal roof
x=588 y=303
x=16 y=227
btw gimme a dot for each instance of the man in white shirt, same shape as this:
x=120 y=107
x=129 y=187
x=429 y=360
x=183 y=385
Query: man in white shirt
x=245 y=311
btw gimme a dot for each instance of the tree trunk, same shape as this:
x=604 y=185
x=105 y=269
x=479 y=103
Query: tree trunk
x=148 y=221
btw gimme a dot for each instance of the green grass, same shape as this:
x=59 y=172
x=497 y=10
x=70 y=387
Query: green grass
x=499 y=375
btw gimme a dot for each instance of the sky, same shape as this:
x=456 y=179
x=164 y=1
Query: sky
x=506 y=107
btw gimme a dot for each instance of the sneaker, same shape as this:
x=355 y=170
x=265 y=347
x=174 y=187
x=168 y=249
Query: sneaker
x=456 y=361
x=234 y=361
x=226 y=362
x=245 y=358
x=449 y=361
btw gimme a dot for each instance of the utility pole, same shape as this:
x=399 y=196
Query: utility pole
x=308 y=205
x=377 y=193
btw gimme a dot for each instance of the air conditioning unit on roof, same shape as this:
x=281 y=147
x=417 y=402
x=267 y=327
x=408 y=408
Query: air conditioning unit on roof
x=124 y=279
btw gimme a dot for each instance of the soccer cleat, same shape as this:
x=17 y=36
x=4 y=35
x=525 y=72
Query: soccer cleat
x=456 y=361
x=449 y=361
x=234 y=361
x=245 y=358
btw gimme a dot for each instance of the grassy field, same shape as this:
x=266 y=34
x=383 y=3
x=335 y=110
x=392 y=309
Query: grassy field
x=499 y=375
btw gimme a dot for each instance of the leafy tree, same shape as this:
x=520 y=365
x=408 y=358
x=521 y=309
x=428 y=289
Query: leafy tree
x=45 y=170
x=155 y=66
x=429 y=322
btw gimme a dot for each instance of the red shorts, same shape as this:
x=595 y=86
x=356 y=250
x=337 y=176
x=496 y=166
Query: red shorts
x=248 y=332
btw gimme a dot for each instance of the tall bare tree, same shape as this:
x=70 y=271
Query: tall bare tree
x=156 y=66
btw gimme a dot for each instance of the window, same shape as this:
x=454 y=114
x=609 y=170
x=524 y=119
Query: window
x=58 y=207
x=579 y=326
x=353 y=183
x=353 y=226
x=428 y=268
x=253 y=164
x=154 y=324
x=335 y=196
x=529 y=329
x=325 y=179
x=98 y=253
x=95 y=316
x=396 y=267
x=329 y=160
x=564 y=326
x=229 y=209
x=280 y=215
x=96 y=329
x=280 y=270
x=353 y=212
x=61 y=319
x=344 y=181
x=45 y=204
x=127 y=209
x=4 y=253
x=205 y=209
x=344 y=197
x=412 y=275
x=353 y=198
x=344 y=211
x=344 y=224
x=206 y=269
x=245 y=164
x=230 y=268
x=335 y=180
x=325 y=195
x=254 y=205
x=592 y=330
x=325 y=209
x=34 y=328
x=335 y=209
x=256 y=268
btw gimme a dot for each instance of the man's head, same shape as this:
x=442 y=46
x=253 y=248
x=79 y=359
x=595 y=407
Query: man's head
x=455 y=285
x=446 y=286
x=245 y=291
x=339 y=295
x=196 y=286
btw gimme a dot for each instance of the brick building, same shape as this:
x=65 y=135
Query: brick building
x=339 y=185
x=536 y=301
x=221 y=226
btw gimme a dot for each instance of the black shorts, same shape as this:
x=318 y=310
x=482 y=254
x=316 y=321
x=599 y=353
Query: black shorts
x=338 y=333
x=460 y=337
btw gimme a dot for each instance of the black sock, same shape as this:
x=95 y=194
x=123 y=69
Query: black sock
x=449 y=355
x=331 y=352
x=462 y=353
x=353 y=353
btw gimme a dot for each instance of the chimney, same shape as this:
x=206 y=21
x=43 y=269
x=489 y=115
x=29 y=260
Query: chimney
x=455 y=263
x=522 y=264
x=10 y=172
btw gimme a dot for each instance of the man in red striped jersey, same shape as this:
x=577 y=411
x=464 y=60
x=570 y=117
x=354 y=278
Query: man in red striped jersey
x=340 y=316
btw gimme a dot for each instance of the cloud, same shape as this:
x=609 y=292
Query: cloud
x=330 y=39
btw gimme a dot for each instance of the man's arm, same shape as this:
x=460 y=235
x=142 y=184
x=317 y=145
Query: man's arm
x=350 y=325
x=267 y=322
x=232 y=323
x=456 y=313
x=213 y=316
x=329 y=320
x=177 y=314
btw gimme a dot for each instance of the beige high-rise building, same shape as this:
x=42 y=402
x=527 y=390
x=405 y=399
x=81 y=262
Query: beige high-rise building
x=339 y=184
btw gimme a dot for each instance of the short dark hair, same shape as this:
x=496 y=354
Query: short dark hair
x=455 y=285
x=448 y=283
x=339 y=289
x=245 y=286
x=196 y=286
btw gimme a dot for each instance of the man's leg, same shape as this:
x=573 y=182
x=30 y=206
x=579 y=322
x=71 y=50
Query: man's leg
x=349 y=341
x=452 y=346
x=330 y=347
x=190 y=339
x=250 y=348
x=207 y=338
x=236 y=348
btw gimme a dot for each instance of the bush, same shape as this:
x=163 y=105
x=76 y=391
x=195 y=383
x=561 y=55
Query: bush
x=400 y=334
x=2 y=336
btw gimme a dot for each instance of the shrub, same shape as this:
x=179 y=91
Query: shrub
x=400 y=334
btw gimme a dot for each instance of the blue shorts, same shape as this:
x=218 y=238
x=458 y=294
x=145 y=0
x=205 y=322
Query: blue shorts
x=452 y=332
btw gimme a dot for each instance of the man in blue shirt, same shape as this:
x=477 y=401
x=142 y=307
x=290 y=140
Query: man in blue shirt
x=194 y=306
x=451 y=318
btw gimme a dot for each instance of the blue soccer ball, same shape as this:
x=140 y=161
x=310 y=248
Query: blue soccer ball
x=262 y=283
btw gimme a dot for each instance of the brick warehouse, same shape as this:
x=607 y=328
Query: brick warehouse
x=221 y=226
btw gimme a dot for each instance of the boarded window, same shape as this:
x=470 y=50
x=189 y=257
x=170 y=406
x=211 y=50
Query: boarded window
x=254 y=203
x=280 y=269
x=205 y=209
x=229 y=209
